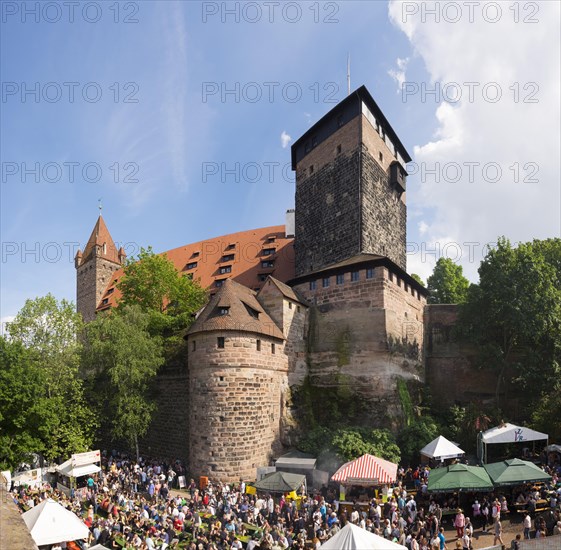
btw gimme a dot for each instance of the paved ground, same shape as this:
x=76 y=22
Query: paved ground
x=14 y=534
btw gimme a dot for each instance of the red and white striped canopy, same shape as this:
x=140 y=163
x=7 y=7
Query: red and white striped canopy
x=367 y=469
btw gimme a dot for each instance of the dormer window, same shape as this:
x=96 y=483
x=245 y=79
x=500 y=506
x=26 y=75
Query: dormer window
x=195 y=254
x=110 y=291
x=268 y=251
x=271 y=239
x=191 y=265
x=231 y=246
x=267 y=264
x=252 y=312
x=224 y=310
x=227 y=258
x=219 y=282
x=225 y=269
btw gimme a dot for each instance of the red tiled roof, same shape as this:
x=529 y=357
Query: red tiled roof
x=245 y=267
x=100 y=236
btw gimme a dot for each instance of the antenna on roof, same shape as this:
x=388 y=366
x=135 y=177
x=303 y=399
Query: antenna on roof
x=99 y=205
x=348 y=74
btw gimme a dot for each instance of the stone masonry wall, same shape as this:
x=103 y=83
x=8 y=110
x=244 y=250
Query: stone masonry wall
x=384 y=214
x=91 y=280
x=359 y=340
x=168 y=435
x=235 y=404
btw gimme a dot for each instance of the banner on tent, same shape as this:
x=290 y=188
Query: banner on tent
x=81 y=459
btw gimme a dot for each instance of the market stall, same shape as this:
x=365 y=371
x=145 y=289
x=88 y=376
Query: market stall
x=506 y=433
x=73 y=474
x=352 y=537
x=441 y=449
x=459 y=477
x=515 y=472
x=280 y=482
x=367 y=471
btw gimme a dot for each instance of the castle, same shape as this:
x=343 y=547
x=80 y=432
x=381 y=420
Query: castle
x=324 y=301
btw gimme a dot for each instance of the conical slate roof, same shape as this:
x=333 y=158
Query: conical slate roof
x=100 y=236
x=235 y=308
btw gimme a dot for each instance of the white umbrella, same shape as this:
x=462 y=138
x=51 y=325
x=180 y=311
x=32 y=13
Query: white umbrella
x=49 y=523
x=352 y=537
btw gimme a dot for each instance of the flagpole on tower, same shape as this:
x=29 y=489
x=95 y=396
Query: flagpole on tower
x=99 y=205
x=348 y=74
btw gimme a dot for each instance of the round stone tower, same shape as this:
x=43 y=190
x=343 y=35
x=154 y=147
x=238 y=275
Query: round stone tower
x=237 y=373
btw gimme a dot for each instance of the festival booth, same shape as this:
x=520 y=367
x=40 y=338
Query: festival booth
x=361 y=474
x=440 y=449
x=49 y=523
x=279 y=482
x=506 y=433
x=352 y=537
x=459 y=477
x=515 y=472
x=73 y=474
x=296 y=462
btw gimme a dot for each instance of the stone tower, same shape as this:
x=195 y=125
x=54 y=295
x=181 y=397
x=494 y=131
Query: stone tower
x=94 y=269
x=238 y=374
x=350 y=187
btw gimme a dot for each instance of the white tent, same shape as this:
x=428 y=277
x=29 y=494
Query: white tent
x=509 y=433
x=99 y=547
x=352 y=537
x=553 y=448
x=49 y=523
x=441 y=448
x=69 y=470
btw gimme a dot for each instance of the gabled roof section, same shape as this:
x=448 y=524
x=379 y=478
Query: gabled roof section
x=227 y=311
x=101 y=237
x=288 y=292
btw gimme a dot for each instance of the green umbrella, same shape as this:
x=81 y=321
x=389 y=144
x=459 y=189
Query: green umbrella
x=515 y=472
x=459 y=477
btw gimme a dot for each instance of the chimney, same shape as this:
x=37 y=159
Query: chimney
x=290 y=223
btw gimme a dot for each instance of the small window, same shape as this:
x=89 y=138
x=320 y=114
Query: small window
x=225 y=269
x=195 y=254
x=398 y=281
x=338 y=149
x=105 y=301
x=370 y=273
x=311 y=169
x=390 y=276
x=273 y=349
x=271 y=239
x=231 y=246
x=220 y=342
x=268 y=251
x=325 y=282
x=355 y=276
x=289 y=305
x=110 y=291
x=191 y=265
x=312 y=285
x=219 y=282
x=258 y=342
x=267 y=264
x=194 y=345
x=381 y=157
x=339 y=121
x=262 y=278
x=314 y=141
x=223 y=311
x=298 y=309
x=340 y=279
x=412 y=291
x=227 y=258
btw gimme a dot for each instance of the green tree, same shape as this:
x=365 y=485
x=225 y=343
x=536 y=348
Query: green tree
x=514 y=315
x=123 y=358
x=414 y=437
x=22 y=403
x=447 y=284
x=49 y=331
x=152 y=282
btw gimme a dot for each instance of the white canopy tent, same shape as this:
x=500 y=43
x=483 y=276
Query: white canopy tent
x=441 y=449
x=49 y=523
x=69 y=470
x=352 y=537
x=509 y=433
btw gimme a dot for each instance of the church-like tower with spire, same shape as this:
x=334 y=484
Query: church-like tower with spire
x=95 y=268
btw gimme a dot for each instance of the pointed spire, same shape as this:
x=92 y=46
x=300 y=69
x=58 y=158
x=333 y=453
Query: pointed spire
x=101 y=244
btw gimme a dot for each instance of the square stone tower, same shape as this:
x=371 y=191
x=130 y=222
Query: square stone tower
x=350 y=187
x=95 y=268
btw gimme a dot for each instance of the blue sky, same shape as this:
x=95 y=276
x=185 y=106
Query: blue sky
x=171 y=130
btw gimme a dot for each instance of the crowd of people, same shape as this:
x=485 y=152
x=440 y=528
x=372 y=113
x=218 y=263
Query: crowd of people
x=135 y=505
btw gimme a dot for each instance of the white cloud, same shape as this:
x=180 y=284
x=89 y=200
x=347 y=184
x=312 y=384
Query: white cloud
x=285 y=139
x=520 y=137
x=399 y=74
